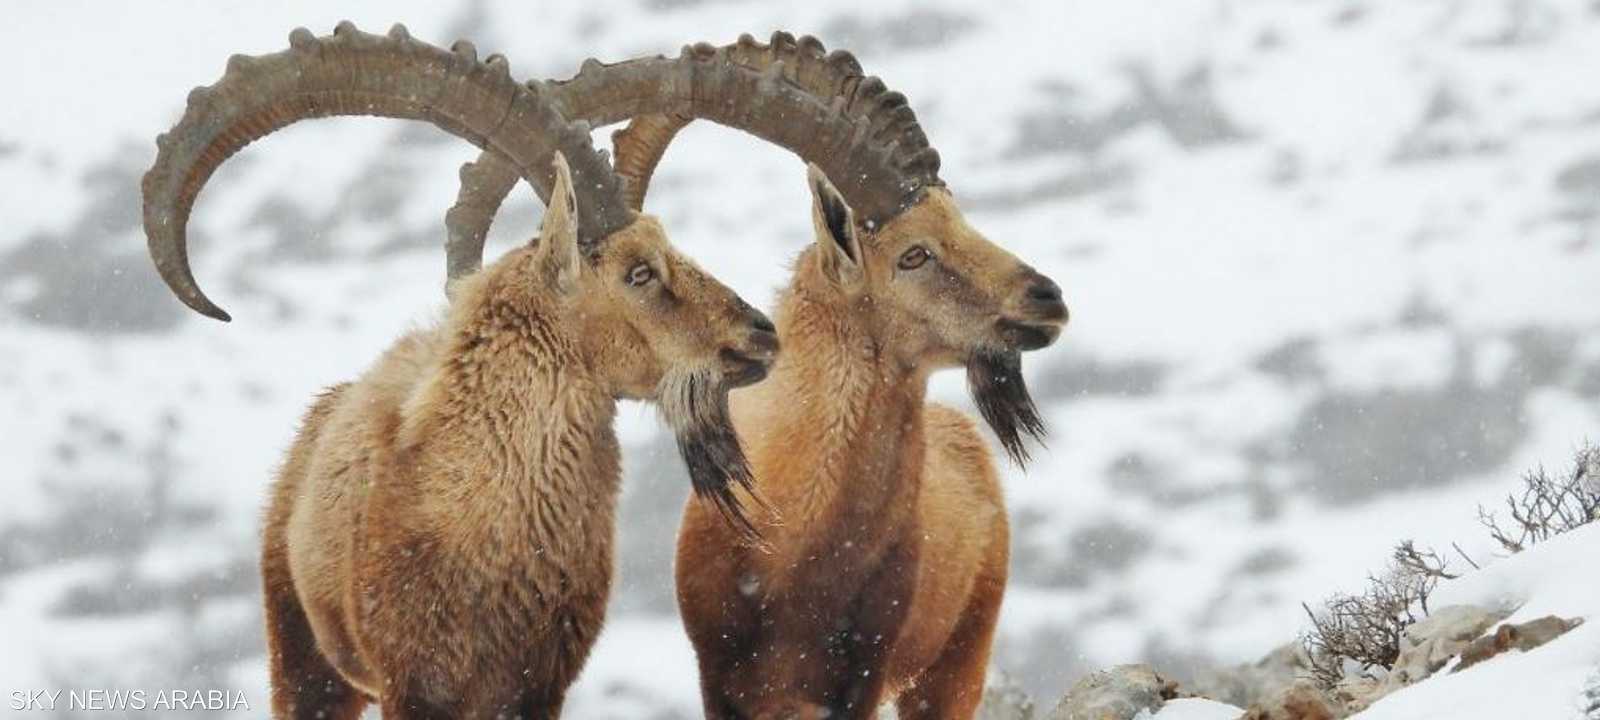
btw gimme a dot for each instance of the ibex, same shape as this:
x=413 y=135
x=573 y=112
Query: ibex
x=439 y=538
x=884 y=577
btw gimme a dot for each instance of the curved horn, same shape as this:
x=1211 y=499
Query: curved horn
x=467 y=223
x=792 y=93
x=804 y=62
x=356 y=73
x=640 y=147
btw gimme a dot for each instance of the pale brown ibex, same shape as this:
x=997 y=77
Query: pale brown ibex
x=885 y=577
x=439 y=538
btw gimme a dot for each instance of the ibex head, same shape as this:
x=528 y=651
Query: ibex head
x=659 y=328
x=981 y=305
x=936 y=293
x=656 y=325
x=647 y=315
x=939 y=291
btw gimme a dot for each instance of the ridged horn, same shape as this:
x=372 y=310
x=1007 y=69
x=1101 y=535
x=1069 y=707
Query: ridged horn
x=790 y=92
x=639 y=148
x=356 y=73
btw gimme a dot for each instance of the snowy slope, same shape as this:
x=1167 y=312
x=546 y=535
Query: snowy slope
x=1332 y=269
x=1553 y=578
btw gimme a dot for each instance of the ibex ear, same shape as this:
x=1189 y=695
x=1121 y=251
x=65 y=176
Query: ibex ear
x=558 y=235
x=838 y=248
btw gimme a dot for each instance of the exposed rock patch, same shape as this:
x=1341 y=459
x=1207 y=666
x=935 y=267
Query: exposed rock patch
x=1257 y=682
x=1120 y=693
x=1525 y=636
x=1300 y=701
x=1431 y=643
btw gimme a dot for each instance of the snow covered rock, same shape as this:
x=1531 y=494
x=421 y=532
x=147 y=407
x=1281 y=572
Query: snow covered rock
x=1436 y=639
x=1425 y=648
x=1358 y=692
x=1120 y=693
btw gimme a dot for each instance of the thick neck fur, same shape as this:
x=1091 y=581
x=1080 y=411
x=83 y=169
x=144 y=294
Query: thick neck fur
x=858 y=408
x=510 y=393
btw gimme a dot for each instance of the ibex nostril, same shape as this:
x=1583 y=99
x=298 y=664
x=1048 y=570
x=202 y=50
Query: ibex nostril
x=1044 y=290
x=763 y=324
x=763 y=344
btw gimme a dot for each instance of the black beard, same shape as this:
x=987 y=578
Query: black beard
x=995 y=379
x=695 y=404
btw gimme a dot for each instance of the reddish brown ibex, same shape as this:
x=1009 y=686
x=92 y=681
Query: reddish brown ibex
x=439 y=538
x=885 y=577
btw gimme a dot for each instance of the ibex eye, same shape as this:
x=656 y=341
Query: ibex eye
x=640 y=274
x=914 y=258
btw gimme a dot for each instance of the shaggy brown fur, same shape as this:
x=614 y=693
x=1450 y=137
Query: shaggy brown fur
x=886 y=561
x=439 y=538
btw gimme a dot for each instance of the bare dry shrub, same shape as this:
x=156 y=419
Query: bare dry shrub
x=1408 y=558
x=1549 y=506
x=1364 y=630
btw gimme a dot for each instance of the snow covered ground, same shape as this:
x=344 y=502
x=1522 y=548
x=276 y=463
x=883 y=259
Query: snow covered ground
x=1196 y=709
x=1554 y=578
x=1557 y=680
x=1332 y=268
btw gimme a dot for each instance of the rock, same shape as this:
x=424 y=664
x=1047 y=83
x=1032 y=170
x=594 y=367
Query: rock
x=1257 y=682
x=1425 y=648
x=1525 y=636
x=1302 y=700
x=1004 y=699
x=1429 y=645
x=1116 y=694
x=1356 y=693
